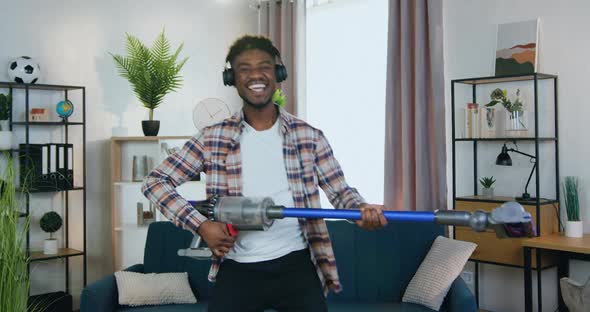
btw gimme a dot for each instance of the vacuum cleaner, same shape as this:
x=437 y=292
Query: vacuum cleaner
x=509 y=220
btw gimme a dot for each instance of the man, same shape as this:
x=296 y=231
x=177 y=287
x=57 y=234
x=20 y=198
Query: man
x=262 y=151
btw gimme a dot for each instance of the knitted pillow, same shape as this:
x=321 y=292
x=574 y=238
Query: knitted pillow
x=136 y=289
x=443 y=263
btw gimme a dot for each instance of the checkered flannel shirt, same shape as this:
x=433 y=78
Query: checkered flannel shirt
x=309 y=163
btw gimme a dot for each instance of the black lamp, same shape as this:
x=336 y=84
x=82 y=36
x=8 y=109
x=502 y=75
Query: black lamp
x=504 y=160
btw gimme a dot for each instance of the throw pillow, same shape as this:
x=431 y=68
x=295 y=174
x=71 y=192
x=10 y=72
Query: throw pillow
x=136 y=289
x=443 y=263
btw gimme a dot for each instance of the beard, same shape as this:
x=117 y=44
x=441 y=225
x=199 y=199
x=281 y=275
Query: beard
x=260 y=105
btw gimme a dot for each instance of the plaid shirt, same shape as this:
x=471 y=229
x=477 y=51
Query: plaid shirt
x=309 y=163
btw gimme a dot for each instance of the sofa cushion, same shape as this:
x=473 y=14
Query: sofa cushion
x=138 y=289
x=164 y=239
x=376 y=307
x=376 y=266
x=199 y=307
x=438 y=271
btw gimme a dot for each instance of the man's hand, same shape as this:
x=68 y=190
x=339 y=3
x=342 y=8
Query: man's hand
x=217 y=237
x=373 y=218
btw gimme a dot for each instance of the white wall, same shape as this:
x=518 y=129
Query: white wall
x=70 y=39
x=470 y=35
x=346 y=62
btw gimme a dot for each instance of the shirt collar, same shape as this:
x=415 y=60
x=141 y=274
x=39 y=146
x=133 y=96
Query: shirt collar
x=240 y=121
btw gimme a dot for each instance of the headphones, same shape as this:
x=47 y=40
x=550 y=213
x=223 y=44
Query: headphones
x=229 y=78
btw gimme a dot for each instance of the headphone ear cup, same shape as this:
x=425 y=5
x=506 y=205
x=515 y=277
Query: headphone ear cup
x=280 y=72
x=228 y=77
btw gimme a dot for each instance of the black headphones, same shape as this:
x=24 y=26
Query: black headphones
x=229 y=78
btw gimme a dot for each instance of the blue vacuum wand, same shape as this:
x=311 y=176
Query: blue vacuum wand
x=258 y=213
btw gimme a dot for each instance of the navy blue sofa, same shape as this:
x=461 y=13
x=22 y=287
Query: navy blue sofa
x=375 y=268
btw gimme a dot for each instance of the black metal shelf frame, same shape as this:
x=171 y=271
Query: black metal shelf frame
x=65 y=123
x=536 y=140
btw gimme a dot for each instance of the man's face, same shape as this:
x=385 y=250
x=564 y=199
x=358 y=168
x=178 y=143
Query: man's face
x=255 y=77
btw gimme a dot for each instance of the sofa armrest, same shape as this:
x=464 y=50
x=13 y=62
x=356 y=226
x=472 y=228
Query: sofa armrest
x=137 y=268
x=460 y=298
x=103 y=295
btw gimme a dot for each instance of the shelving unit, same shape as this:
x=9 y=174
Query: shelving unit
x=128 y=236
x=544 y=209
x=66 y=252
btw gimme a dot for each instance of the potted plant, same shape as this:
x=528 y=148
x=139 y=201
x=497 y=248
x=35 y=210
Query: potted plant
x=515 y=120
x=571 y=189
x=487 y=183
x=5 y=133
x=279 y=98
x=50 y=223
x=14 y=272
x=152 y=73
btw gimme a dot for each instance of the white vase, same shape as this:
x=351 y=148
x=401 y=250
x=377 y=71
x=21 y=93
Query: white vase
x=516 y=124
x=574 y=228
x=4 y=125
x=5 y=140
x=487 y=192
x=50 y=246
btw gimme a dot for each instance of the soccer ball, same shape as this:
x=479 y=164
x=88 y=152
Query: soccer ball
x=24 y=70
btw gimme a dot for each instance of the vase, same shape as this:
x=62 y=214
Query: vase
x=487 y=192
x=5 y=140
x=4 y=125
x=516 y=124
x=576 y=296
x=50 y=246
x=150 y=127
x=574 y=229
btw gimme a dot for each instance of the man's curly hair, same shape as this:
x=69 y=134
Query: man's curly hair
x=249 y=42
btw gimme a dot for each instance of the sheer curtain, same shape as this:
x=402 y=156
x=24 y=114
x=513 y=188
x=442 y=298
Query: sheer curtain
x=415 y=154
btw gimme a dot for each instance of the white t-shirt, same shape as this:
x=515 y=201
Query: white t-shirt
x=264 y=174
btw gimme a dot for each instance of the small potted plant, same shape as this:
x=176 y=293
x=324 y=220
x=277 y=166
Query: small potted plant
x=279 y=98
x=152 y=73
x=50 y=223
x=5 y=133
x=571 y=189
x=487 y=183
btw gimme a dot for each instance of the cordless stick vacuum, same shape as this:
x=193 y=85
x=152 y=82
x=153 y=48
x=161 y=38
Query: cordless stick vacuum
x=258 y=214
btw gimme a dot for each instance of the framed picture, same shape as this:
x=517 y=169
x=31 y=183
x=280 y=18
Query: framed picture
x=517 y=48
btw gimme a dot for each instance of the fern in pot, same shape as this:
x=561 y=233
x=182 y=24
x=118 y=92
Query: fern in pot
x=152 y=72
x=571 y=190
x=5 y=133
x=14 y=260
x=50 y=223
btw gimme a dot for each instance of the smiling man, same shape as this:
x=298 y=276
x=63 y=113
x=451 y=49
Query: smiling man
x=262 y=151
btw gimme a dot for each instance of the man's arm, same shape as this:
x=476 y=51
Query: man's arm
x=340 y=194
x=159 y=186
x=331 y=178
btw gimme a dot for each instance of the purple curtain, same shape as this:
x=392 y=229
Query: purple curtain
x=415 y=153
x=280 y=20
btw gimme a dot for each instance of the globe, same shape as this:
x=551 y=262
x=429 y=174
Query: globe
x=65 y=109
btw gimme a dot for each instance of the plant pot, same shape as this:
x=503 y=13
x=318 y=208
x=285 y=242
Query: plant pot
x=5 y=140
x=487 y=192
x=516 y=124
x=150 y=127
x=50 y=246
x=4 y=125
x=574 y=228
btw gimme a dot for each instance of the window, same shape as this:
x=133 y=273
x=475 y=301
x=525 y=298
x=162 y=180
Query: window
x=346 y=45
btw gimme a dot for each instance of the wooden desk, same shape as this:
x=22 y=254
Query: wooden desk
x=566 y=247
